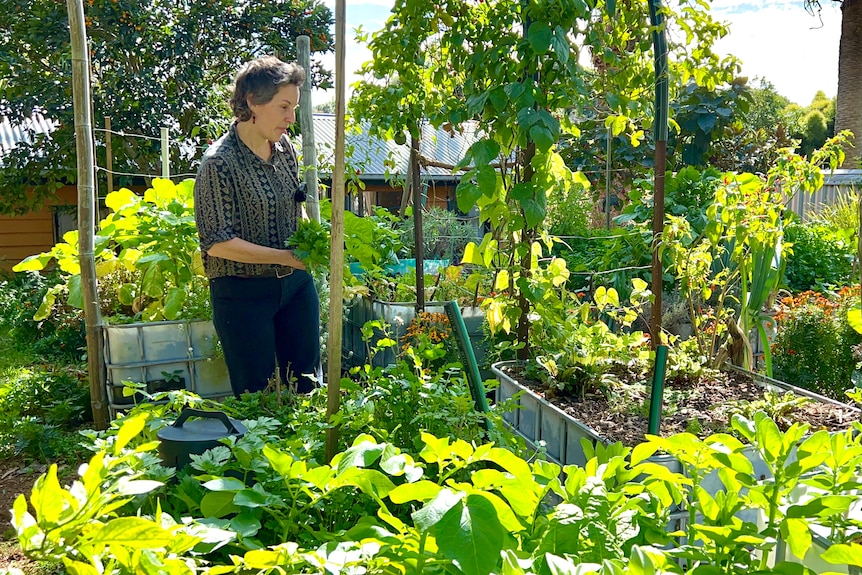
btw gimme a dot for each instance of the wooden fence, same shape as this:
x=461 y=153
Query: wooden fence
x=840 y=182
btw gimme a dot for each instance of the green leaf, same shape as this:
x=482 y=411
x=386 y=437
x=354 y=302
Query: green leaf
x=514 y=90
x=250 y=498
x=797 y=534
x=470 y=534
x=467 y=194
x=137 y=487
x=419 y=491
x=484 y=152
x=153 y=282
x=281 y=462
x=174 y=301
x=486 y=178
x=522 y=191
x=844 y=554
x=543 y=137
x=47 y=497
x=539 y=36
x=606 y=297
x=527 y=117
x=561 y=566
x=76 y=295
x=706 y=122
x=33 y=263
x=245 y=525
x=126 y=293
x=369 y=481
x=218 y=504
x=362 y=454
x=535 y=211
x=498 y=99
x=135 y=532
x=854 y=318
x=560 y=43
x=45 y=307
x=511 y=463
x=130 y=427
x=78 y=568
x=224 y=484
x=432 y=512
x=472 y=255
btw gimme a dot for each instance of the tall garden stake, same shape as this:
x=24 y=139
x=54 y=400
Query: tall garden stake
x=336 y=254
x=661 y=113
x=87 y=210
x=306 y=121
x=418 y=237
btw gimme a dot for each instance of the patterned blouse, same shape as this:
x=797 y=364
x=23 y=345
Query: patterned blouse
x=239 y=195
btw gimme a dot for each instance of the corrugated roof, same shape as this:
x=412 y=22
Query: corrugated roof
x=369 y=154
x=11 y=135
x=843 y=177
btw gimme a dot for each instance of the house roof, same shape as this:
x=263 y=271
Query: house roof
x=370 y=154
x=12 y=134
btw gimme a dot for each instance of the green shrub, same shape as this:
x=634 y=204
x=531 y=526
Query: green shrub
x=60 y=337
x=813 y=345
x=444 y=234
x=609 y=258
x=820 y=257
x=569 y=214
x=40 y=407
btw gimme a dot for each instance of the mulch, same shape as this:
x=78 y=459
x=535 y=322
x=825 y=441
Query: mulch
x=701 y=406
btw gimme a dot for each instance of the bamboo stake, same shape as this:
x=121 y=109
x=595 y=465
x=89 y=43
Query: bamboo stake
x=336 y=274
x=87 y=210
x=109 y=154
x=166 y=154
x=306 y=121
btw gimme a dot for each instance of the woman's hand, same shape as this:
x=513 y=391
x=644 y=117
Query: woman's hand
x=294 y=261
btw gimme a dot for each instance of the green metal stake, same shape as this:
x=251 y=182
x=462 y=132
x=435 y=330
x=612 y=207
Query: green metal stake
x=477 y=388
x=657 y=389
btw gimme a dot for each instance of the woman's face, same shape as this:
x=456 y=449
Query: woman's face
x=275 y=117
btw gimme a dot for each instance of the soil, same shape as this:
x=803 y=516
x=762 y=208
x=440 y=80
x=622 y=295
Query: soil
x=701 y=406
x=16 y=477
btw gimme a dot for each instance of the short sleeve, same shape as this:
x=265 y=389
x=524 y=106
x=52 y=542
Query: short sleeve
x=215 y=203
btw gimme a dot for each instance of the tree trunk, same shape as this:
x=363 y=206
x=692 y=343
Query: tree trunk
x=848 y=113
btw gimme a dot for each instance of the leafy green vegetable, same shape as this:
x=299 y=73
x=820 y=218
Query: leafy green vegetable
x=311 y=244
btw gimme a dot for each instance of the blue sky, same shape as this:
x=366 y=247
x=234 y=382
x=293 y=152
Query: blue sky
x=775 y=39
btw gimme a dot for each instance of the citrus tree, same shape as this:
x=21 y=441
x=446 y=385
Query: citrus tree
x=154 y=64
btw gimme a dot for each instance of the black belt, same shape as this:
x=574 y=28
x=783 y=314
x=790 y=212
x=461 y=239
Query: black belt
x=278 y=272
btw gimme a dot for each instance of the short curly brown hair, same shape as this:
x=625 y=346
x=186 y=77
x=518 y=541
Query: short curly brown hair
x=259 y=80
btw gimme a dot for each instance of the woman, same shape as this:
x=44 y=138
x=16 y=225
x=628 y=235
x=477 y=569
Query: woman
x=247 y=204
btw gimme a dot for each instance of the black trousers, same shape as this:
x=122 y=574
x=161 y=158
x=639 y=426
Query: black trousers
x=261 y=319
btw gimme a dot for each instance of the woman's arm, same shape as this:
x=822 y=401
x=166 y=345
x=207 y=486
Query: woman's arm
x=240 y=250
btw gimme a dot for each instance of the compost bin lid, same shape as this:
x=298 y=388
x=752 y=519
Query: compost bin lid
x=212 y=426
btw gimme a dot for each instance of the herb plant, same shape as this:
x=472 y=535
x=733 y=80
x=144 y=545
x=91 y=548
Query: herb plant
x=311 y=244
